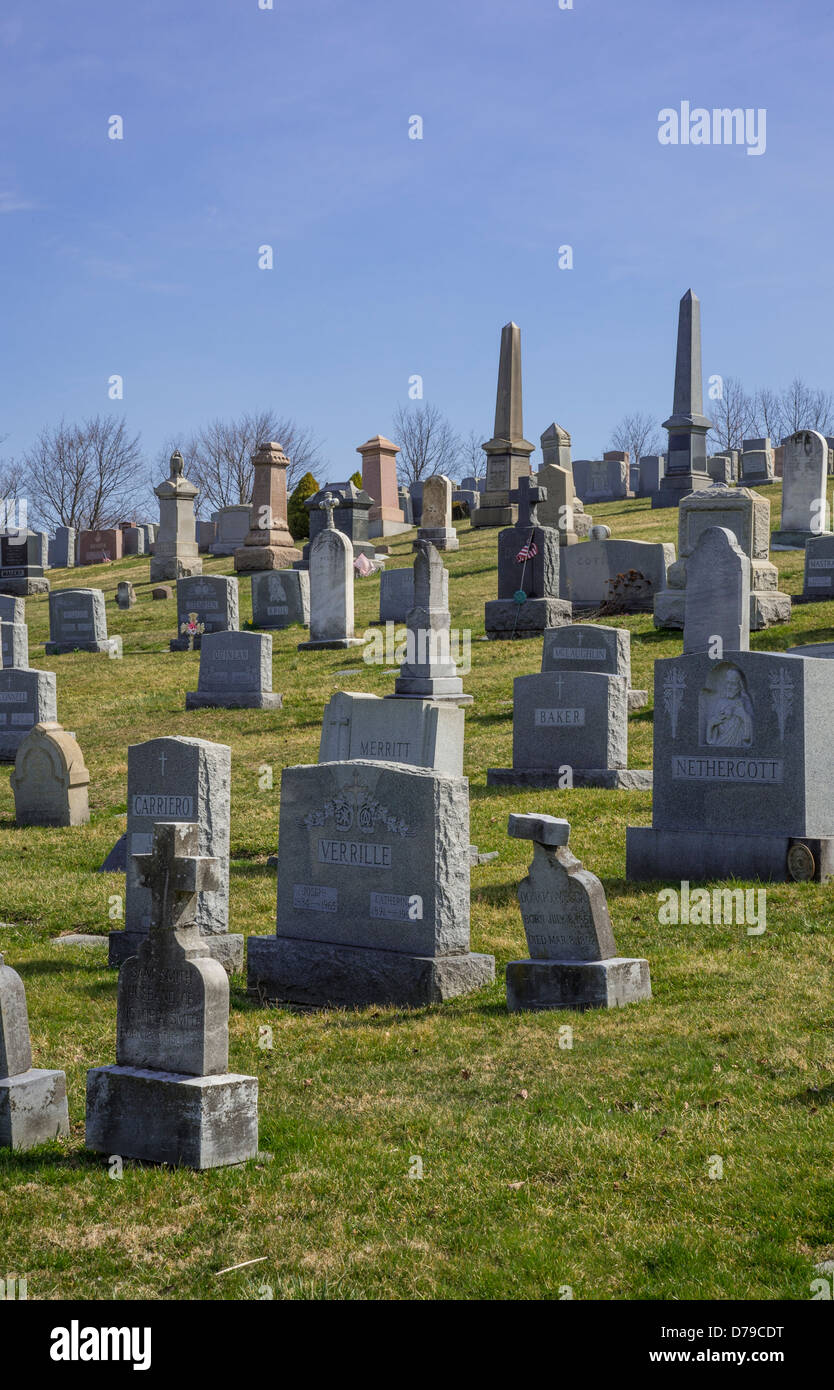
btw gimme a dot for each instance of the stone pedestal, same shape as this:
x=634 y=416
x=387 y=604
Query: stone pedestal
x=164 y=1117
x=269 y=545
x=175 y=552
x=379 y=480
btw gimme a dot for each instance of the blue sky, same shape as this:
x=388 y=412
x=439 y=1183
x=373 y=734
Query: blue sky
x=394 y=256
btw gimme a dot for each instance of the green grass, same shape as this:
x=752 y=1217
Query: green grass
x=543 y=1165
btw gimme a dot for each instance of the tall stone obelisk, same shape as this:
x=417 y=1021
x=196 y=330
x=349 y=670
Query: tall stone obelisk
x=508 y=452
x=686 y=464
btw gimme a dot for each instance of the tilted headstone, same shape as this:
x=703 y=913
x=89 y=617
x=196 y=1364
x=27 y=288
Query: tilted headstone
x=396 y=595
x=717 y=618
x=281 y=598
x=592 y=647
x=179 y=779
x=420 y=733
x=62 y=548
x=235 y=673
x=573 y=957
x=78 y=623
x=436 y=517
x=747 y=515
x=175 y=552
x=268 y=544
x=100 y=547
x=570 y=729
x=125 y=594
x=528 y=600
x=14 y=644
x=819 y=569
x=50 y=780
x=215 y=601
x=373 y=889
x=743 y=764
x=508 y=452
x=170 y=1098
x=429 y=671
x=805 y=511
x=33 y=1103
x=331 y=588
x=27 y=698
x=687 y=426
x=633 y=572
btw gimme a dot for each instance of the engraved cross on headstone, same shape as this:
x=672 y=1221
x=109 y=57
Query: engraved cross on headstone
x=192 y=629
x=328 y=504
x=528 y=498
x=175 y=874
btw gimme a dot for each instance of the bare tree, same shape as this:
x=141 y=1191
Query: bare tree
x=637 y=434
x=428 y=444
x=88 y=476
x=218 y=458
x=732 y=415
x=804 y=408
x=767 y=415
x=471 y=457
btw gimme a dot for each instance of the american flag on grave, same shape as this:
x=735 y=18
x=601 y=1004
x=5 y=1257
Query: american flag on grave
x=527 y=552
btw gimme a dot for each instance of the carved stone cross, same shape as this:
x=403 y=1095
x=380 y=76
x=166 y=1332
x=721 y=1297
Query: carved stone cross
x=328 y=504
x=175 y=874
x=528 y=497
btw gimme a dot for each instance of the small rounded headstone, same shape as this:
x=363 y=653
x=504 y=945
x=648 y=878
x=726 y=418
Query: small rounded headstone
x=600 y=533
x=162 y=591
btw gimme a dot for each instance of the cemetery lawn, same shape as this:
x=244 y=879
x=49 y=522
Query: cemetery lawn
x=543 y=1165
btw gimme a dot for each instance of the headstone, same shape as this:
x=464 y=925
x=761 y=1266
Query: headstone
x=182 y=779
x=206 y=536
x=350 y=517
x=415 y=492
x=331 y=588
x=420 y=733
x=281 y=598
x=721 y=468
x=78 y=623
x=170 y=1097
x=508 y=452
x=819 y=570
x=50 y=780
x=125 y=594
x=757 y=466
x=268 y=544
x=21 y=564
x=747 y=515
x=631 y=572
x=557 y=508
x=12 y=610
x=396 y=595
x=592 y=647
x=650 y=469
x=133 y=540
x=573 y=957
x=429 y=671
x=717 y=615
x=373 y=890
x=235 y=673
x=599 y=533
x=14 y=643
x=743 y=763
x=162 y=591
x=379 y=480
x=805 y=511
x=33 y=1102
x=686 y=457
x=100 y=547
x=555 y=446
x=570 y=729
x=27 y=698
x=528 y=574
x=215 y=601
x=175 y=545
x=601 y=480
x=62 y=548
x=436 y=517
x=406 y=506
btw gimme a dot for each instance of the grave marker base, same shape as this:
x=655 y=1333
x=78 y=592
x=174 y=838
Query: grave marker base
x=699 y=855
x=164 y=1117
x=790 y=540
x=320 y=974
x=766 y=609
x=33 y=1108
x=613 y=778
x=254 y=699
x=23 y=588
x=570 y=984
x=227 y=947
x=331 y=643
x=111 y=645
x=504 y=619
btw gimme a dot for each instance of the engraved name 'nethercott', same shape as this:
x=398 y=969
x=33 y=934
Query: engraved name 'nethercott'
x=705 y=769
x=356 y=855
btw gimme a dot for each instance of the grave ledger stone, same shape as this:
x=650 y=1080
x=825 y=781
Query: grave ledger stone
x=281 y=598
x=170 y=1098
x=214 y=599
x=743 y=764
x=686 y=457
x=804 y=490
x=50 y=780
x=175 y=552
x=187 y=779
x=508 y=452
x=268 y=544
x=78 y=623
x=33 y=1103
x=528 y=600
x=235 y=673
x=373 y=889
x=573 y=957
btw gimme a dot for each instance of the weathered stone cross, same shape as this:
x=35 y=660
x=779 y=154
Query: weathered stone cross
x=175 y=874
x=528 y=498
x=328 y=504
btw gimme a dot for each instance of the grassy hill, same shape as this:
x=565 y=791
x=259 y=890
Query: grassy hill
x=545 y=1166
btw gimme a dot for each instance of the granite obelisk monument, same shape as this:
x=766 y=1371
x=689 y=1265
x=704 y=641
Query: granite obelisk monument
x=508 y=452
x=686 y=465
